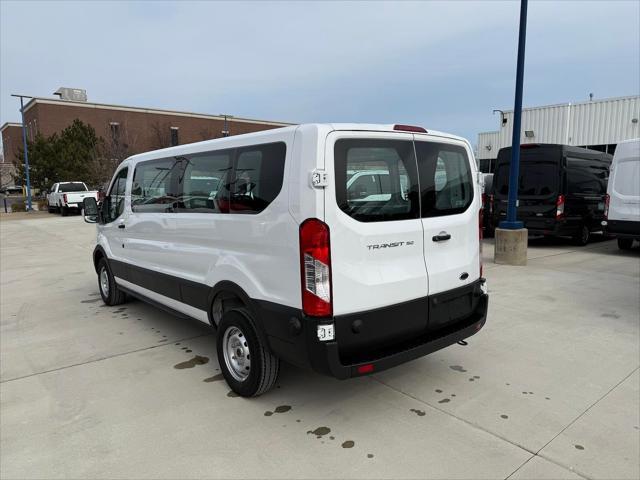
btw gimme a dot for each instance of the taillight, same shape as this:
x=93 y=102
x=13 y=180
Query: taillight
x=480 y=219
x=315 y=268
x=64 y=197
x=606 y=206
x=560 y=207
x=491 y=199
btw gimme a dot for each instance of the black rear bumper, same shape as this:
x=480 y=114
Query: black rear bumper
x=386 y=338
x=623 y=229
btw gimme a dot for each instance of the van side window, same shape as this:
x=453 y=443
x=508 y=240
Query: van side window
x=258 y=176
x=114 y=202
x=205 y=182
x=445 y=179
x=585 y=177
x=376 y=180
x=154 y=187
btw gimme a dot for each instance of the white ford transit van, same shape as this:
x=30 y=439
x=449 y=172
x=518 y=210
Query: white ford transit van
x=622 y=204
x=348 y=249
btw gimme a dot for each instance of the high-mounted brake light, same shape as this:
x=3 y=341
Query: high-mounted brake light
x=529 y=145
x=315 y=268
x=409 y=128
x=607 y=199
x=560 y=207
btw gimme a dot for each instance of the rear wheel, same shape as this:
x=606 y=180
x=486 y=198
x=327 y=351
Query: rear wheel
x=582 y=237
x=64 y=211
x=246 y=362
x=109 y=291
x=625 y=243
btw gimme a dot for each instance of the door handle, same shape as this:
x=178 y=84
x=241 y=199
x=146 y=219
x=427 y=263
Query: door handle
x=121 y=225
x=441 y=237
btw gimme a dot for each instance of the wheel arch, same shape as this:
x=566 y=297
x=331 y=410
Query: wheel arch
x=226 y=295
x=98 y=254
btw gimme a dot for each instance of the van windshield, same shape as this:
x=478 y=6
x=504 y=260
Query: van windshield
x=537 y=179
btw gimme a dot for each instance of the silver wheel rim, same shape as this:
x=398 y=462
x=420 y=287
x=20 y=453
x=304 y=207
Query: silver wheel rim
x=104 y=282
x=237 y=356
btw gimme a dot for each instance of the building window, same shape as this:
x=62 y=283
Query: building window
x=115 y=131
x=174 y=136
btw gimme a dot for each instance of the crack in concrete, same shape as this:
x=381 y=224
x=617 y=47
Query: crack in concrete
x=522 y=447
x=102 y=358
x=577 y=472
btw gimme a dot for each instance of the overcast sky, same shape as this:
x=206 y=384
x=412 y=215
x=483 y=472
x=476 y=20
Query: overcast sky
x=443 y=65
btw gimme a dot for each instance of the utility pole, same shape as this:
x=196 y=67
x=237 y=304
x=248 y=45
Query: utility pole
x=511 y=236
x=26 y=152
x=225 y=128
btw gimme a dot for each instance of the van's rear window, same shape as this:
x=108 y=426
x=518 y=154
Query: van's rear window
x=72 y=187
x=376 y=180
x=537 y=179
x=446 y=182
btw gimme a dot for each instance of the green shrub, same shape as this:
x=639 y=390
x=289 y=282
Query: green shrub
x=19 y=206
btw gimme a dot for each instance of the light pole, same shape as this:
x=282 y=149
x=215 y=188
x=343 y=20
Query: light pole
x=26 y=151
x=514 y=168
x=511 y=236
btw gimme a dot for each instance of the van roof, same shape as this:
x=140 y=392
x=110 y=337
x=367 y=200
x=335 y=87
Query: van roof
x=560 y=148
x=324 y=128
x=381 y=127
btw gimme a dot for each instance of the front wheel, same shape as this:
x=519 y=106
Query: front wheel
x=625 y=243
x=246 y=362
x=109 y=291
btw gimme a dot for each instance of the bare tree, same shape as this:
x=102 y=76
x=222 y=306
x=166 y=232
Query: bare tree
x=208 y=133
x=161 y=135
x=122 y=142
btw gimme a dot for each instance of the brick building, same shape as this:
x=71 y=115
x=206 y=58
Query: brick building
x=125 y=130
x=11 y=139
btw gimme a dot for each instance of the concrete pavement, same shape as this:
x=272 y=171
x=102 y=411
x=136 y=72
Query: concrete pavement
x=548 y=389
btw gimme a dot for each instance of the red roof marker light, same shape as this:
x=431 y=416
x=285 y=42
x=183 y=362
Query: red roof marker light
x=409 y=128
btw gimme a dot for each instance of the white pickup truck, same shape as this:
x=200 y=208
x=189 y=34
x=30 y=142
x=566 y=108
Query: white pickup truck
x=65 y=196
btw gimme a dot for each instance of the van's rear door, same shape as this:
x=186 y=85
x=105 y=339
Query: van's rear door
x=376 y=232
x=539 y=185
x=450 y=198
x=624 y=183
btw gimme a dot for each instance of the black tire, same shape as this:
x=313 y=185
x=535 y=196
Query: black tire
x=262 y=373
x=582 y=237
x=625 y=243
x=50 y=208
x=111 y=295
x=64 y=211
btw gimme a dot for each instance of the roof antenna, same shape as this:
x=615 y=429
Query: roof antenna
x=591 y=97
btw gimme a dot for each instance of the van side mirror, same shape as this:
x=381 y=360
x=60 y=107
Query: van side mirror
x=90 y=207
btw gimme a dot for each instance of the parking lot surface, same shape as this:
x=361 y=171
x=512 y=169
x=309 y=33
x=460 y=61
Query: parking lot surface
x=548 y=389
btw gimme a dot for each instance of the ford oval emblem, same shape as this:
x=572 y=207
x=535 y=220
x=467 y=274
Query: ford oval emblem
x=464 y=276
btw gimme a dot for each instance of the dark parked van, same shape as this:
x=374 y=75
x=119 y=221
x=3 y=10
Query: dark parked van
x=561 y=191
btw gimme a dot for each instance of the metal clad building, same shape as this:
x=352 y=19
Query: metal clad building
x=597 y=124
